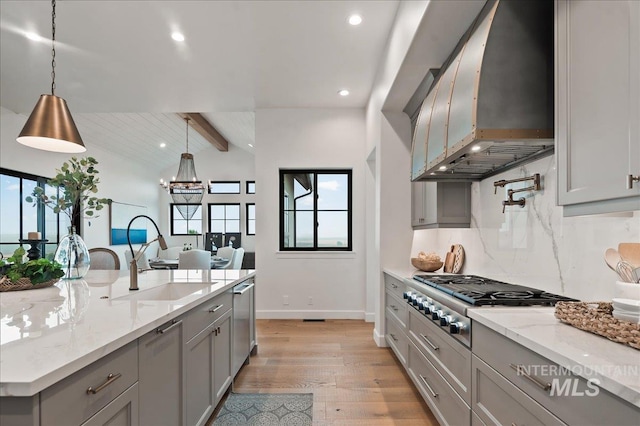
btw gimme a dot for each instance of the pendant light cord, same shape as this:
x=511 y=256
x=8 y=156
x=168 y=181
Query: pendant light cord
x=53 y=47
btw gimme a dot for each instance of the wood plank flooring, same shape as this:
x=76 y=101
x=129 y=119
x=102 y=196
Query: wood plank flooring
x=352 y=380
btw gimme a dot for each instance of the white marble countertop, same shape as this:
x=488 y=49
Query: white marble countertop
x=614 y=365
x=50 y=333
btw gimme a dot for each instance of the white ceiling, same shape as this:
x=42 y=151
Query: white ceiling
x=124 y=77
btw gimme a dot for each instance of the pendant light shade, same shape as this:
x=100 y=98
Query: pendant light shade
x=50 y=127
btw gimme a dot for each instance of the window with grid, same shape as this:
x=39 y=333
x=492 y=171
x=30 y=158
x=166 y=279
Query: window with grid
x=315 y=210
x=224 y=187
x=251 y=219
x=18 y=217
x=186 y=219
x=224 y=218
x=251 y=187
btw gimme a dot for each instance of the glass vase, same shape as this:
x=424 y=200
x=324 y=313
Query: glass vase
x=73 y=255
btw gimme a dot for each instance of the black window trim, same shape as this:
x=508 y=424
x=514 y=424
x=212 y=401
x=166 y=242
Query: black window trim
x=225 y=219
x=316 y=171
x=246 y=217
x=246 y=188
x=211 y=182
x=171 y=205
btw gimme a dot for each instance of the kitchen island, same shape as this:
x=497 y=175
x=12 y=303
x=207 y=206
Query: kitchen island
x=48 y=335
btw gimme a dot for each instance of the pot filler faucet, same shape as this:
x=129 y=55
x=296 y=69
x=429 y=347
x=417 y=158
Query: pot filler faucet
x=520 y=201
x=133 y=266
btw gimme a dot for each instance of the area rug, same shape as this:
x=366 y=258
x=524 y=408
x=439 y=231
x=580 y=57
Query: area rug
x=266 y=409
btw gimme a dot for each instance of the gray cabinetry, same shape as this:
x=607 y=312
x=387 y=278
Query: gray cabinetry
x=597 y=105
x=396 y=314
x=122 y=411
x=161 y=375
x=207 y=357
x=441 y=204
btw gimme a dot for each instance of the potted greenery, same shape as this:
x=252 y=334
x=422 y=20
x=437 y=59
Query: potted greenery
x=20 y=275
x=77 y=183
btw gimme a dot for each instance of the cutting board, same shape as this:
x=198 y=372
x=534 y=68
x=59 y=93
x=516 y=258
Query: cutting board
x=454 y=259
x=630 y=252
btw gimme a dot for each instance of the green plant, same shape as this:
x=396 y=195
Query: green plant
x=76 y=182
x=38 y=271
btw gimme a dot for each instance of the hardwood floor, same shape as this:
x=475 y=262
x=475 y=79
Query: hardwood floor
x=352 y=380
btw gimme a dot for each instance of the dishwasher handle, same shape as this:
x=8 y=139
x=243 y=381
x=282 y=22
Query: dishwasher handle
x=243 y=290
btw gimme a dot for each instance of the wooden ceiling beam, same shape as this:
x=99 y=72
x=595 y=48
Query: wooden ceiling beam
x=202 y=126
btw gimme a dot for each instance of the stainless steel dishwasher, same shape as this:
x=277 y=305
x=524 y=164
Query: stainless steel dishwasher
x=242 y=323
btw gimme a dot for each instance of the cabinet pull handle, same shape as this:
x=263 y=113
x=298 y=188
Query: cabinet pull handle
x=216 y=308
x=393 y=285
x=394 y=307
x=110 y=379
x=393 y=337
x=631 y=179
x=246 y=288
x=521 y=371
x=174 y=323
x=435 y=348
x=424 y=380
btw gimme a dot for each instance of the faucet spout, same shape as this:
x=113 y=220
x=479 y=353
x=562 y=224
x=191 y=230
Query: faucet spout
x=133 y=275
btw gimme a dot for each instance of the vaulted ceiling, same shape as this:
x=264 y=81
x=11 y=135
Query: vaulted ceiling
x=125 y=78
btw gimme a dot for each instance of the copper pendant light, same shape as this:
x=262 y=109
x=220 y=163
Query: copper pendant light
x=50 y=126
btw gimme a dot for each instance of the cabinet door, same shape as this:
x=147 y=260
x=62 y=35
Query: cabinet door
x=222 y=355
x=417 y=203
x=597 y=105
x=161 y=375
x=199 y=359
x=122 y=411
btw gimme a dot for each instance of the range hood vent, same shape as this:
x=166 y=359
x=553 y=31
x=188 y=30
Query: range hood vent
x=490 y=107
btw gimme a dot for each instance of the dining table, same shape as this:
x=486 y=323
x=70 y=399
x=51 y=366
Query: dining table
x=216 y=263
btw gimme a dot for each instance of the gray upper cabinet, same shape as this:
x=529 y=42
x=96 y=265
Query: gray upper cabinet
x=597 y=105
x=441 y=205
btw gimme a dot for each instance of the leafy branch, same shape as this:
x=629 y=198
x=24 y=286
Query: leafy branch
x=38 y=271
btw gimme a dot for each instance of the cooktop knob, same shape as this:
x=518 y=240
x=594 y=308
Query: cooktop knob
x=428 y=308
x=446 y=320
x=436 y=314
x=456 y=327
x=406 y=295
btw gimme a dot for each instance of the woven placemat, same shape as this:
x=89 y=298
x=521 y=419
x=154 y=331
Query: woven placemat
x=23 y=284
x=596 y=318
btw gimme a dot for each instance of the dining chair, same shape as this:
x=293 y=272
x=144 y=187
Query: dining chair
x=226 y=253
x=236 y=262
x=194 y=259
x=143 y=262
x=104 y=259
x=170 y=253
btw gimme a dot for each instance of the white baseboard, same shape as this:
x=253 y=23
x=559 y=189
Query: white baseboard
x=379 y=339
x=369 y=317
x=352 y=315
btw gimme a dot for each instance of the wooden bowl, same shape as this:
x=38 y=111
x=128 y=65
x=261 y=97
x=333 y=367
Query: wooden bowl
x=425 y=265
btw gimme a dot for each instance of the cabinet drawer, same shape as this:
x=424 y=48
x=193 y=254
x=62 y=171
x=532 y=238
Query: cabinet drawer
x=571 y=398
x=69 y=402
x=202 y=316
x=394 y=285
x=498 y=402
x=443 y=401
x=397 y=308
x=451 y=358
x=397 y=340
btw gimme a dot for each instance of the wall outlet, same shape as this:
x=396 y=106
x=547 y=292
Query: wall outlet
x=285 y=300
x=310 y=302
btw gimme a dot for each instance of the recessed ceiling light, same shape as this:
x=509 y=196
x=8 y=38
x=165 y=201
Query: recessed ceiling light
x=33 y=36
x=442 y=168
x=475 y=148
x=251 y=145
x=355 y=19
x=162 y=145
x=343 y=92
x=177 y=36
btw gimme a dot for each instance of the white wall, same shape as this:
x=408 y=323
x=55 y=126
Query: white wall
x=117 y=176
x=211 y=164
x=308 y=138
x=535 y=245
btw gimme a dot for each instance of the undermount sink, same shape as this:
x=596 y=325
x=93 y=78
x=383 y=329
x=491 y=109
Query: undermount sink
x=169 y=291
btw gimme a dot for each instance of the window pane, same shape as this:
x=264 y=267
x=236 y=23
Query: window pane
x=251 y=211
x=216 y=211
x=233 y=212
x=195 y=227
x=304 y=229
x=233 y=226
x=333 y=229
x=10 y=208
x=216 y=226
x=333 y=192
x=251 y=227
x=29 y=211
x=251 y=187
x=224 y=187
x=179 y=226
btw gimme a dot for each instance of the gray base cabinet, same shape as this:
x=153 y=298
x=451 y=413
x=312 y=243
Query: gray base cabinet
x=161 y=381
x=597 y=105
x=122 y=411
x=440 y=205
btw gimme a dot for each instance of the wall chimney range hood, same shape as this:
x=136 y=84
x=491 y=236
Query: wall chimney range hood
x=490 y=108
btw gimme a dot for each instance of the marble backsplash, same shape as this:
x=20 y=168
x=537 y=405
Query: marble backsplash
x=535 y=245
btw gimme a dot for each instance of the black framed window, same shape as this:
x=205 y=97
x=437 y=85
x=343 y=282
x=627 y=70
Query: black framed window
x=186 y=219
x=251 y=187
x=224 y=218
x=251 y=219
x=315 y=210
x=18 y=217
x=224 y=187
